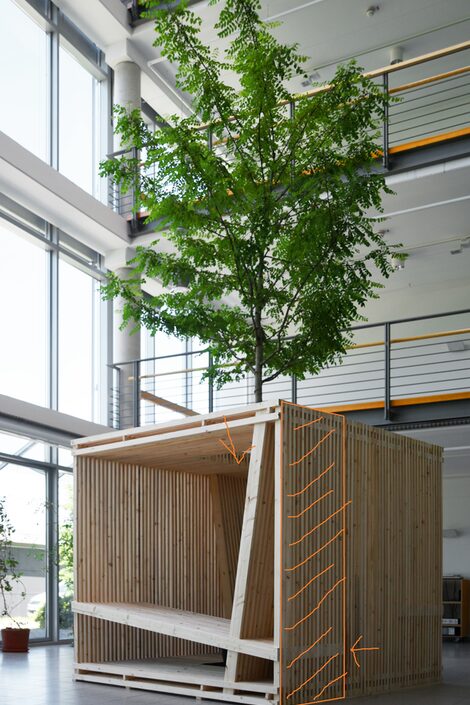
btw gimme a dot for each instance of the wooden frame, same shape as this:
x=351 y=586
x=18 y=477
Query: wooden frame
x=297 y=544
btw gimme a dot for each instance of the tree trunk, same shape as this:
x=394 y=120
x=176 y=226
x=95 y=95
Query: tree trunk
x=259 y=372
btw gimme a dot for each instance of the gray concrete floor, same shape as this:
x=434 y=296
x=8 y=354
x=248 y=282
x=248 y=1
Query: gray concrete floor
x=43 y=677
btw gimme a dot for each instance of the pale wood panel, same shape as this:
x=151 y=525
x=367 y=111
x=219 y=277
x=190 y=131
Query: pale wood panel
x=253 y=611
x=228 y=501
x=392 y=561
x=143 y=536
x=183 y=624
x=313 y=567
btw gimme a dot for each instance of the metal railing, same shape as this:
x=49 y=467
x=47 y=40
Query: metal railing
x=434 y=108
x=409 y=361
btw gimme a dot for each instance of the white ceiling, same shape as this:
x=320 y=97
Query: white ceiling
x=455 y=440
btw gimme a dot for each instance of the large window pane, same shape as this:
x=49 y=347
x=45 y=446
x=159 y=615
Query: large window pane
x=77 y=123
x=65 y=555
x=23 y=79
x=79 y=307
x=24 y=490
x=23 y=278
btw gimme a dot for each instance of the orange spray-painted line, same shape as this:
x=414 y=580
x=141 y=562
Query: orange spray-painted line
x=328 y=700
x=310 y=647
x=362 y=648
x=325 y=687
x=309 y=423
x=312 y=450
x=297 y=516
x=292 y=597
x=312 y=676
x=296 y=494
x=312 y=555
x=309 y=614
x=231 y=448
x=302 y=538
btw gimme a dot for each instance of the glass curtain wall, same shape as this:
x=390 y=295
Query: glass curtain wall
x=54 y=86
x=23 y=307
x=31 y=480
x=54 y=350
x=23 y=79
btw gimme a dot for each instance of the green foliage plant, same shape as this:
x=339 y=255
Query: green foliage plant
x=10 y=576
x=266 y=246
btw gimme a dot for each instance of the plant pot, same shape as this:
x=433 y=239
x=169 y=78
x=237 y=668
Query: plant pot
x=15 y=640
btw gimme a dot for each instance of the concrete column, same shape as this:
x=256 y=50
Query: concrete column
x=127 y=93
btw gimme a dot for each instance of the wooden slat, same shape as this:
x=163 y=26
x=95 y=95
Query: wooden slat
x=182 y=624
x=175 y=424
x=429 y=79
x=392 y=558
x=247 y=541
x=228 y=496
x=193 y=670
x=349 y=515
x=166 y=404
x=142 y=535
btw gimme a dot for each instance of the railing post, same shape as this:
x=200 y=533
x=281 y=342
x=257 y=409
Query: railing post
x=293 y=380
x=211 y=386
x=136 y=395
x=385 y=124
x=387 y=365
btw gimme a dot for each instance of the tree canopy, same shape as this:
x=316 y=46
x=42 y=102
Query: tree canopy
x=264 y=200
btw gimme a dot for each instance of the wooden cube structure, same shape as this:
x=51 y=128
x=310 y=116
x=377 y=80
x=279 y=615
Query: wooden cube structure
x=271 y=552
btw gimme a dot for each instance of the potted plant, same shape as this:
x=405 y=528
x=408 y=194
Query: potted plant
x=16 y=637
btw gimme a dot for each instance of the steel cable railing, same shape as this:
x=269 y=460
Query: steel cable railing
x=431 y=365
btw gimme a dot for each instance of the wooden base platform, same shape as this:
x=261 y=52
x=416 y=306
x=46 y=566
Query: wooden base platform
x=197 y=677
x=201 y=628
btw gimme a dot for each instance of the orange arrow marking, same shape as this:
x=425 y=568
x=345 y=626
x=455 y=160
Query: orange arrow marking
x=353 y=650
x=231 y=447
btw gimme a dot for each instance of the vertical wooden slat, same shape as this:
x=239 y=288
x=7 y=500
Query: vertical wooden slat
x=393 y=559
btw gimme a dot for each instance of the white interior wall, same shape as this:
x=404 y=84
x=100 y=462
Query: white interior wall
x=456 y=558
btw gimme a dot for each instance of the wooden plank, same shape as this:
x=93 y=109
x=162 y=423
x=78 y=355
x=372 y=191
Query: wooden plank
x=255 y=570
x=429 y=79
x=226 y=581
x=231 y=414
x=142 y=535
x=176 y=437
x=199 y=628
x=181 y=689
x=192 y=670
x=393 y=561
x=166 y=404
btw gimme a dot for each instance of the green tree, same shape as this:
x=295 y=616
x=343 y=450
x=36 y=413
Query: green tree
x=265 y=211
x=10 y=576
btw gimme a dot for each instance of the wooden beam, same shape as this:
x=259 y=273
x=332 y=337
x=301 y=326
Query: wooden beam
x=253 y=610
x=199 y=628
x=166 y=404
x=200 y=430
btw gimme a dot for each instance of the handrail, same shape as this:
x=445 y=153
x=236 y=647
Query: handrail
x=385 y=70
x=391 y=68
x=376 y=343
x=430 y=79
x=362 y=326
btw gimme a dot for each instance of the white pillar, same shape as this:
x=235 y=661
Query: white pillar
x=126 y=347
